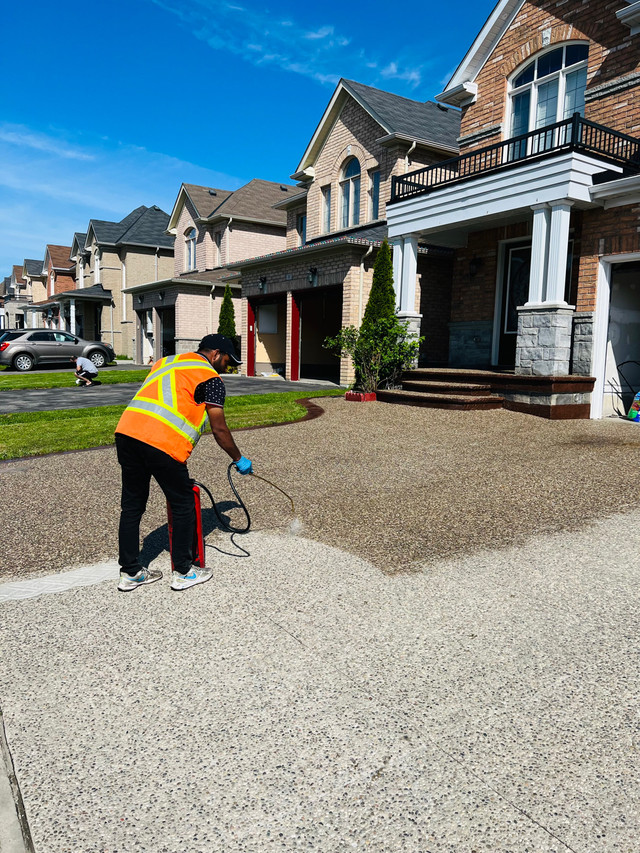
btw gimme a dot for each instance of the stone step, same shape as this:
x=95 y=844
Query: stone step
x=440 y=401
x=453 y=387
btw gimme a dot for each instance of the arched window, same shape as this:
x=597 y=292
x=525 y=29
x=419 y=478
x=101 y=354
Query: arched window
x=350 y=193
x=190 y=249
x=548 y=89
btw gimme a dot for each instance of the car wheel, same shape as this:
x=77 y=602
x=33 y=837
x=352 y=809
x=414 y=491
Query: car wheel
x=23 y=362
x=98 y=359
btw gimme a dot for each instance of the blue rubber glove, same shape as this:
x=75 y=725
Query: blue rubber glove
x=243 y=465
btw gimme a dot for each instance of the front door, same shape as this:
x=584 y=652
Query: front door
x=515 y=292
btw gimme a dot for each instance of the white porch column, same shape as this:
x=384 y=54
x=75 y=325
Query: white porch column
x=558 y=249
x=539 y=254
x=397 y=269
x=409 y=271
x=72 y=316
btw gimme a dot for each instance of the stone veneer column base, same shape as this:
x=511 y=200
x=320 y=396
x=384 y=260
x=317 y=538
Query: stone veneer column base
x=543 y=347
x=582 y=351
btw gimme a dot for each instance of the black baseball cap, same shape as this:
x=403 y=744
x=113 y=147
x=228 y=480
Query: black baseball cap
x=222 y=343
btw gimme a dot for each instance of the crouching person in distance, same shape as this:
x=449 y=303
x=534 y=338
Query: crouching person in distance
x=154 y=438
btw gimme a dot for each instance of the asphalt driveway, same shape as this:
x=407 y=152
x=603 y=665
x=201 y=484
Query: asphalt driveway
x=78 y=397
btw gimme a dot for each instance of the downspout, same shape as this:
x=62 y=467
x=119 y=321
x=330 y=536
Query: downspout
x=113 y=343
x=362 y=260
x=408 y=154
x=213 y=287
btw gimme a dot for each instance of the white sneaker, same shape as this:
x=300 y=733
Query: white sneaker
x=190 y=579
x=129 y=582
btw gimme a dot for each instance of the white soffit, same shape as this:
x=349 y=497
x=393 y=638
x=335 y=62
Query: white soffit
x=495 y=27
x=630 y=17
x=618 y=193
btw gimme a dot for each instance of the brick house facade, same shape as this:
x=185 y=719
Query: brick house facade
x=210 y=228
x=335 y=224
x=542 y=206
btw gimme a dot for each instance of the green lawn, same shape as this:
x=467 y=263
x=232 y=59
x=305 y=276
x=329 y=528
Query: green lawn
x=37 y=433
x=12 y=381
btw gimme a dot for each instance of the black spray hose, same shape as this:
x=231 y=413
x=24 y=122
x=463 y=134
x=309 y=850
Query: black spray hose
x=223 y=523
x=228 y=527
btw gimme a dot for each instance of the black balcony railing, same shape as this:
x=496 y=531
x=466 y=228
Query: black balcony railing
x=574 y=134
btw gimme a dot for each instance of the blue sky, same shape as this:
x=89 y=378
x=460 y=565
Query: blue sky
x=105 y=106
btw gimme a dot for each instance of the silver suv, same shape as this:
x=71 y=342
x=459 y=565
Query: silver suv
x=26 y=348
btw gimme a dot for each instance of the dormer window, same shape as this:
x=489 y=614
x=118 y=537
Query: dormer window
x=190 y=249
x=548 y=89
x=350 y=193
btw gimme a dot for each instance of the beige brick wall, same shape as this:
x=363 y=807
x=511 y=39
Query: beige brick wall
x=354 y=135
x=252 y=240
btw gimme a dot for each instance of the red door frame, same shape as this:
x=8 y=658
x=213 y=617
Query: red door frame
x=251 y=339
x=295 y=337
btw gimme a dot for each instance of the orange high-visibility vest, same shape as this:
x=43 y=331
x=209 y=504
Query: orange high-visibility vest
x=163 y=413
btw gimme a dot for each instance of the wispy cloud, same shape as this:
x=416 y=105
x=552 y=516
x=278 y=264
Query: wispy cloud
x=22 y=137
x=319 y=52
x=48 y=194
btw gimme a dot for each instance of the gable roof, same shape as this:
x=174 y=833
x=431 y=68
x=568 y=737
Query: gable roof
x=60 y=257
x=205 y=199
x=461 y=88
x=426 y=123
x=144 y=226
x=33 y=268
x=77 y=244
x=253 y=202
x=16 y=274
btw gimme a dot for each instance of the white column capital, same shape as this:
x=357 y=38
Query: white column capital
x=561 y=203
x=541 y=206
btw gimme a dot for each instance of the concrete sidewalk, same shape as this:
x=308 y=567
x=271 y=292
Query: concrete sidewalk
x=305 y=700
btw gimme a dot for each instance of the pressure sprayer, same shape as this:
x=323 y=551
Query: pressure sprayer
x=198 y=549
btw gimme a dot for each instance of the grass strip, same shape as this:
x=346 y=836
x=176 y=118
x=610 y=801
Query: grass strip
x=10 y=381
x=36 y=433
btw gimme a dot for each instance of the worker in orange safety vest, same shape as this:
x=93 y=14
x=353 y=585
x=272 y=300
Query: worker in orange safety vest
x=154 y=438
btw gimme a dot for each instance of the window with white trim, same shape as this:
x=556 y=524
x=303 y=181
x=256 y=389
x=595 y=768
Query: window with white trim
x=96 y=267
x=190 y=249
x=548 y=89
x=301 y=228
x=374 y=194
x=350 y=193
x=326 y=209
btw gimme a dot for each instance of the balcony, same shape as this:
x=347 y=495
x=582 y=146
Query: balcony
x=574 y=135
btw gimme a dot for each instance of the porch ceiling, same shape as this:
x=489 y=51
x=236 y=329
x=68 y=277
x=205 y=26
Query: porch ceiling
x=448 y=213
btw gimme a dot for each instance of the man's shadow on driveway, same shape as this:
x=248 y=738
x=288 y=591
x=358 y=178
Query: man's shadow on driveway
x=157 y=542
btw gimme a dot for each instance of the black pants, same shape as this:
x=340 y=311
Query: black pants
x=140 y=462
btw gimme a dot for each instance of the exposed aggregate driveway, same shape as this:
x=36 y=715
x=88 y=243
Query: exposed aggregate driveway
x=394 y=484
x=468 y=684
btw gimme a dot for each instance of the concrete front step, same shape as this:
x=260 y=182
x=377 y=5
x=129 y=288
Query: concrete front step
x=465 y=388
x=440 y=401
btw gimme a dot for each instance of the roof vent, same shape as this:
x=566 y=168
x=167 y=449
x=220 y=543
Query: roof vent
x=212 y=192
x=284 y=189
x=443 y=108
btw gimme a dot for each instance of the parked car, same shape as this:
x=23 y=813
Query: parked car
x=23 y=349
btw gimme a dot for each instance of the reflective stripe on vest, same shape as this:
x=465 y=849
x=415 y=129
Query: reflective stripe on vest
x=168 y=417
x=165 y=409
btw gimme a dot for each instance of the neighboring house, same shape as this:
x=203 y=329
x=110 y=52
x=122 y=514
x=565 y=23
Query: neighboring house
x=542 y=207
x=211 y=227
x=335 y=223
x=16 y=299
x=110 y=257
x=36 y=278
x=57 y=275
